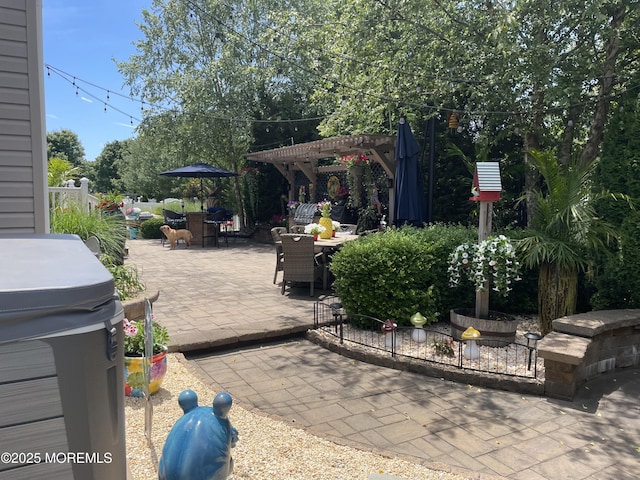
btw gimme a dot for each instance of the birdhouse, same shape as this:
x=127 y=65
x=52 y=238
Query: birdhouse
x=486 y=182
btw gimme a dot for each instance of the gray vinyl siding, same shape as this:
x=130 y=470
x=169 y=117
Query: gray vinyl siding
x=23 y=166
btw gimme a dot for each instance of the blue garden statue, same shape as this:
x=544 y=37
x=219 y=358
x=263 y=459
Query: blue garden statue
x=199 y=444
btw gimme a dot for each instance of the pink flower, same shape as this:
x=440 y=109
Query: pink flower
x=130 y=330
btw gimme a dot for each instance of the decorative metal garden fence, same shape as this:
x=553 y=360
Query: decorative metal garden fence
x=426 y=344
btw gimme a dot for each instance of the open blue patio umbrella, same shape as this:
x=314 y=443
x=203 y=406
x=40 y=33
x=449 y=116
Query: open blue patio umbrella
x=199 y=170
x=409 y=205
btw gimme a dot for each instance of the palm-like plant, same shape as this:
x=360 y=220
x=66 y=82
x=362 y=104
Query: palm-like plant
x=564 y=230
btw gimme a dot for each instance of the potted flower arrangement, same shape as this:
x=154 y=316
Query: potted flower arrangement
x=490 y=262
x=342 y=196
x=324 y=208
x=110 y=203
x=357 y=165
x=134 y=343
x=292 y=205
x=335 y=226
x=314 y=229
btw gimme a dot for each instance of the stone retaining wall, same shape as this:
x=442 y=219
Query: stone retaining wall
x=583 y=346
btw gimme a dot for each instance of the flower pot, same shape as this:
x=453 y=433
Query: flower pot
x=134 y=377
x=357 y=170
x=328 y=227
x=133 y=232
x=315 y=237
x=496 y=331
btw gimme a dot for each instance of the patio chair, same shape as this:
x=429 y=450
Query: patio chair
x=93 y=244
x=301 y=263
x=299 y=229
x=275 y=234
x=217 y=218
x=174 y=220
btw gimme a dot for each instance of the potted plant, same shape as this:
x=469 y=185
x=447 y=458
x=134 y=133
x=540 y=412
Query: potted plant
x=325 y=219
x=490 y=262
x=357 y=165
x=314 y=229
x=134 y=359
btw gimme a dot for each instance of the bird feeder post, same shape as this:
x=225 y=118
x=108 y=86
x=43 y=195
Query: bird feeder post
x=486 y=189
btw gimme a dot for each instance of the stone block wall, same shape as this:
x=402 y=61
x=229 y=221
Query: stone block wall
x=588 y=344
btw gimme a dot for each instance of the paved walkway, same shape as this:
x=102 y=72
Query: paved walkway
x=223 y=296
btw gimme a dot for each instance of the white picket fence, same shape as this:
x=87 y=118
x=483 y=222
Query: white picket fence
x=63 y=196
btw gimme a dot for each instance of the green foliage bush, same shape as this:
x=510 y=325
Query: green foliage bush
x=382 y=276
x=151 y=228
x=108 y=229
x=617 y=280
x=398 y=272
x=127 y=281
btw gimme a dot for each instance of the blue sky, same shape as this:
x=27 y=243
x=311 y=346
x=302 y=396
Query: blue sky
x=81 y=38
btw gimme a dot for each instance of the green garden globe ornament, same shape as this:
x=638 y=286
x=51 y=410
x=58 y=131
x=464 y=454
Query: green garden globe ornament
x=418 y=334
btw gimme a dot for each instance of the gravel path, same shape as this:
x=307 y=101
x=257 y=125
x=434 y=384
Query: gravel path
x=267 y=448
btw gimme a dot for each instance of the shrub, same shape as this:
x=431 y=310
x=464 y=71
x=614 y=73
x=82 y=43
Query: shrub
x=151 y=228
x=616 y=278
x=108 y=229
x=386 y=275
x=127 y=281
x=398 y=272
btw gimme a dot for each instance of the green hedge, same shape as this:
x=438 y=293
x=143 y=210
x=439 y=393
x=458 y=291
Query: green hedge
x=398 y=272
x=151 y=228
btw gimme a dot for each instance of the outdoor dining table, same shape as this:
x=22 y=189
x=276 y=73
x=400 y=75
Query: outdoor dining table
x=334 y=242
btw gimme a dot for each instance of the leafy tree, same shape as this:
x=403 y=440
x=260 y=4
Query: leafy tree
x=65 y=144
x=564 y=234
x=59 y=171
x=617 y=280
x=106 y=175
x=145 y=157
x=544 y=71
x=202 y=70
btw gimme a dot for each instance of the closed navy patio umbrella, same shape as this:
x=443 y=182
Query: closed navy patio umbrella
x=409 y=205
x=199 y=170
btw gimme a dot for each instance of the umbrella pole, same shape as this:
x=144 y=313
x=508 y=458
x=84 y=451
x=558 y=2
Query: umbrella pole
x=201 y=192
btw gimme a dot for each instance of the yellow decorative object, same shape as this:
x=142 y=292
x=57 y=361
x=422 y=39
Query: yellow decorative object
x=333 y=185
x=470 y=334
x=328 y=227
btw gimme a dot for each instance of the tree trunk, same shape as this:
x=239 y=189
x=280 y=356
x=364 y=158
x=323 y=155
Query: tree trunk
x=557 y=293
x=607 y=82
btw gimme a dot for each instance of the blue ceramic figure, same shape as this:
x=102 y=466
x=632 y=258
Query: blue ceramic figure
x=199 y=444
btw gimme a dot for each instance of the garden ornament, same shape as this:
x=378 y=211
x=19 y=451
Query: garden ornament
x=418 y=334
x=199 y=444
x=471 y=350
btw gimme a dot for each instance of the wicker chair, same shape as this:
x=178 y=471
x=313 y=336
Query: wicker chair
x=299 y=229
x=301 y=263
x=275 y=234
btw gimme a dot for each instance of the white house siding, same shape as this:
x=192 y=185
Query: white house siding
x=23 y=165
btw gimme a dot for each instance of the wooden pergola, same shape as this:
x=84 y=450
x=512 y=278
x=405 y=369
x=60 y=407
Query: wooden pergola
x=304 y=157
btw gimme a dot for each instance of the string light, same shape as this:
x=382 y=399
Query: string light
x=74 y=80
